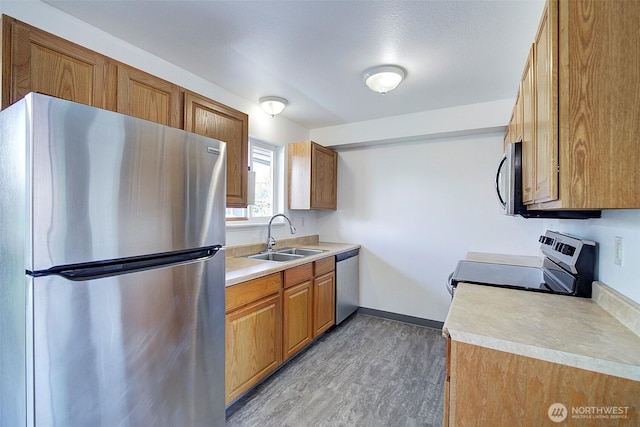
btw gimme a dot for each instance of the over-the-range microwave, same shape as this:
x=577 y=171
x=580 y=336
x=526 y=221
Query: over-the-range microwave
x=509 y=190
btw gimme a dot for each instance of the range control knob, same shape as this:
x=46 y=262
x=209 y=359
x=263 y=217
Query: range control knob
x=546 y=240
x=568 y=250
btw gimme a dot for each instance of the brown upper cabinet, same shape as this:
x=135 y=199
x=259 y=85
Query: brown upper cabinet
x=36 y=61
x=148 y=97
x=584 y=107
x=514 y=129
x=546 y=121
x=313 y=176
x=209 y=118
x=527 y=94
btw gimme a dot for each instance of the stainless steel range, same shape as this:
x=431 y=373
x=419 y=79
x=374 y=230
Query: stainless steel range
x=568 y=268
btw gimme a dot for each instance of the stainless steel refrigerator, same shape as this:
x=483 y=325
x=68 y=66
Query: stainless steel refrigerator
x=111 y=269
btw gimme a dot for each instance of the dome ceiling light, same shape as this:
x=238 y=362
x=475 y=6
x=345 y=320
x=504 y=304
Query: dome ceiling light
x=273 y=105
x=384 y=78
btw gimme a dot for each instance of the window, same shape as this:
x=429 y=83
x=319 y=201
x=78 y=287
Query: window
x=263 y=161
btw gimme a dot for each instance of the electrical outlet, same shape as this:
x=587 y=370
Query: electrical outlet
x=618 y=251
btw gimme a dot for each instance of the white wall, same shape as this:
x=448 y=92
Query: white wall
x=614 y=223
x=417 y=208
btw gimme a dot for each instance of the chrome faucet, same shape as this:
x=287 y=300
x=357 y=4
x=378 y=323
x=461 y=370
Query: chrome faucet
x=270 y=240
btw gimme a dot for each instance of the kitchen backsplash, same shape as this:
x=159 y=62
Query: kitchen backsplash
x=624 y=278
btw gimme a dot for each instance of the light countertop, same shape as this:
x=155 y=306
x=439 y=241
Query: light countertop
x=240 y=269
x=573 y=331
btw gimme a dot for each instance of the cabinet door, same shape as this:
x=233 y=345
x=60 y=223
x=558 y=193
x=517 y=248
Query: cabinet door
x=514 y=129
x=148 y=97
x=516 y=125
x=299 y=173
x=510 y=133
x=447 y=385
x=36 y=61
x=528 y=130
x=324 y=177
x=253 y=345
x=324 y=302
x=546 y=135
x=297 y=322
x=209 y=118
x=495 y=388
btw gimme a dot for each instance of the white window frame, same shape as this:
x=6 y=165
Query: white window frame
x=277 y=179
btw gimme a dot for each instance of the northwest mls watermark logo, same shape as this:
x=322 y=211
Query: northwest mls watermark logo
x=557 y=412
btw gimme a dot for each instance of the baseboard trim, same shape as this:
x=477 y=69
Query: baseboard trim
x=412 y=320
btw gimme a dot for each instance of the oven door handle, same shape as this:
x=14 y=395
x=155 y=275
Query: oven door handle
x=449 y=285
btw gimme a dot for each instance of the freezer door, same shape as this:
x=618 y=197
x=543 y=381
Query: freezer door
x=107 y=186
x=139 y=349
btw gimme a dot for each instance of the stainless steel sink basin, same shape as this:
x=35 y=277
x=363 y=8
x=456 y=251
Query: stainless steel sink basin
x=300 y=251
x=286 y=254
x=275 y=256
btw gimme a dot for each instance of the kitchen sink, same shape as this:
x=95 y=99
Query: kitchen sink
x=286 y=254
x=300 y=251
x=275 y=256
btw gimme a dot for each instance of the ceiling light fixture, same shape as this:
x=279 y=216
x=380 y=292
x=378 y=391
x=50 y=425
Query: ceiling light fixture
x=273 y=105
x=384 y=78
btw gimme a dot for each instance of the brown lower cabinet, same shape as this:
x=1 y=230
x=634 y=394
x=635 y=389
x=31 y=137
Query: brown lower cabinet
x=297 y=309
x=486 y=387
x=270 y=319
x=253 y=330
x=324 y=293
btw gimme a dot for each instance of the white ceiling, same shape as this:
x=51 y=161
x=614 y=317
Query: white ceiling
x=314 y=52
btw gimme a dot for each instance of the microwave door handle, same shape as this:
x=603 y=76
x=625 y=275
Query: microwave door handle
x=500 y=166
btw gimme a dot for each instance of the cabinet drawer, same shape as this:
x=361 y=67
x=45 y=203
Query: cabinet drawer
x=246 y=292
x=324 y=265
x=295 y=275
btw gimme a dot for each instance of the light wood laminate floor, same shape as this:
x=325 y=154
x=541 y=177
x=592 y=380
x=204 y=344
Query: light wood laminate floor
x=368 y=371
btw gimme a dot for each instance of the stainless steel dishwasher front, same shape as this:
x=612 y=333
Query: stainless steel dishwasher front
x=347 y=284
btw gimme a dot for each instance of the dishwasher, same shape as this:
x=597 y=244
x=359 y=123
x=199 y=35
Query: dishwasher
x=347 y=284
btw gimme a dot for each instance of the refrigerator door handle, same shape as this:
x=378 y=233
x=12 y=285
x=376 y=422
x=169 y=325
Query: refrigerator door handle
x=97 y=270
